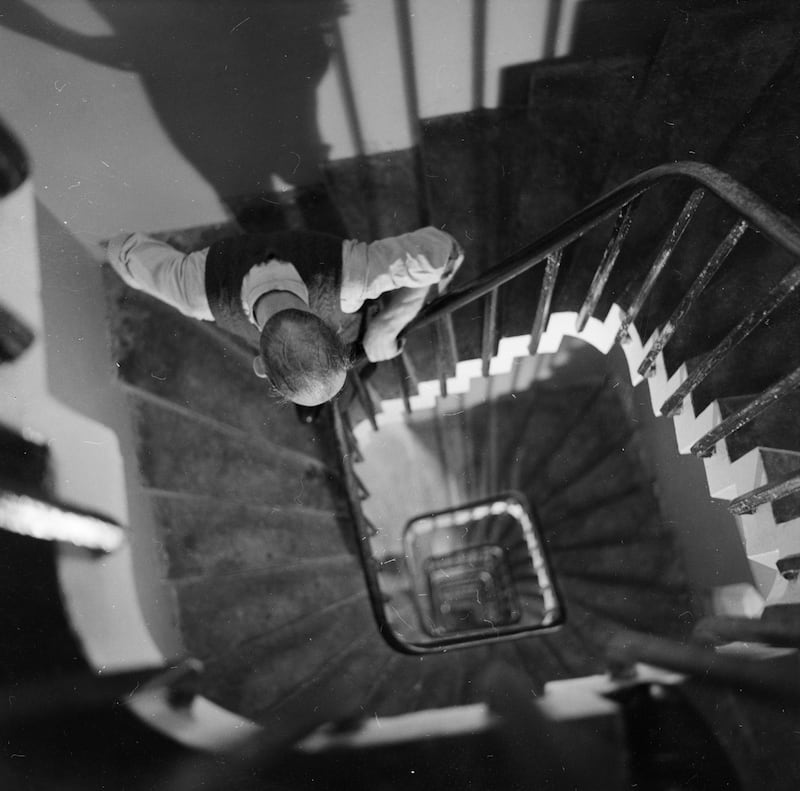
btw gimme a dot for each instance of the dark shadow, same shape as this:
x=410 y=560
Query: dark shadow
x=232 y=83
x=607 y=28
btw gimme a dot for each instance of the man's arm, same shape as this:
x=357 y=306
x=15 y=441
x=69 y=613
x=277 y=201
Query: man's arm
x=160 y=270
x=402 y=269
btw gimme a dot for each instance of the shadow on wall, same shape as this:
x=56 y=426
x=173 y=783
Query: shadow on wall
x=232 y=83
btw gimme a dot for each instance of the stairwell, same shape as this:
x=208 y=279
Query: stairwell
x=250 y=506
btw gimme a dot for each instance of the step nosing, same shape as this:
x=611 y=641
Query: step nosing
x=267 y=569
x=235 y=433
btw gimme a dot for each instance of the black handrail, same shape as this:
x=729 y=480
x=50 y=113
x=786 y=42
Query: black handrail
x=772 y=224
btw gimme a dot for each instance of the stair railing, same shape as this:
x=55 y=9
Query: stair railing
x=752 y=212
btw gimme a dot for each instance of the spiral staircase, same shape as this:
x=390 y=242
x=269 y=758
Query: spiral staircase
x=262 y=519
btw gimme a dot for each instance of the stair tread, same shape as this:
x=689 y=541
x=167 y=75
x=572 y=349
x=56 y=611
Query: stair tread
x=776 y=427
x=176 y=454
x=377 y=195
x=616 y=475
x=656 y=561
x=638 y=607
x=287 y=667
x=604 y=430
x=210 y=537
x=778 y=464
x=498 y=179
x=578 y=80
x=759 y=361
x=622 y=518
x=218 y=619
x=710 y=68
x=756 y=265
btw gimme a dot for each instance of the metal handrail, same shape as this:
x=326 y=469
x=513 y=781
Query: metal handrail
x=753 y=213
x=772 y=224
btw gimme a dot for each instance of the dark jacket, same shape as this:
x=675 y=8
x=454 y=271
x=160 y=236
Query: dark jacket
x=317 y=258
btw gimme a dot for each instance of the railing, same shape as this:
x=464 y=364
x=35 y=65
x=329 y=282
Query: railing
x=750 y=212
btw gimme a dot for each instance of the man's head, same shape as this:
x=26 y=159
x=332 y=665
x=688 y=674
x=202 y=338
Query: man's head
x=302 y=357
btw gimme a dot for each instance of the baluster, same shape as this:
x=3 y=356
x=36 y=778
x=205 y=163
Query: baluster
x=408 y=379
x=667 y=248
x=748 y=503
x=349 y=436
x=545 y=299
x=610 y=255
x=446 y=351
x=706 y=444
x=364 y=398
x=709 y=270
x=768 y=305
x=489 y=331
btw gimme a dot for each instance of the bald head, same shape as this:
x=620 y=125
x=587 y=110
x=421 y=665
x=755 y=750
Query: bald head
x=302 y=357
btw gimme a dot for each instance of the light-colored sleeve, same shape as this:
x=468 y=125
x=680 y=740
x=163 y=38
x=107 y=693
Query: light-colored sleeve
x=413 y=260
x=160 y=270
x=403 y=269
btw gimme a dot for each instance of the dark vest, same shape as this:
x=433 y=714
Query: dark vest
x=317 y=258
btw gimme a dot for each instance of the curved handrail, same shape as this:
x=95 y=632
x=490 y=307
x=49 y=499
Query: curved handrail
x=772 y=224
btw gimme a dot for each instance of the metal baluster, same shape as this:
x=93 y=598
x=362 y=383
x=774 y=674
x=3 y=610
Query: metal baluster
x=706 y=445
x=489 y=331
x=350 y=438
x=446 y=350
x=361 y=490
x=768 y=305
x=610 y=255
x=667 y=248
x=364 y=398
x=545 y=299
x=709 y=270
x=748 y=503
x=407 y=376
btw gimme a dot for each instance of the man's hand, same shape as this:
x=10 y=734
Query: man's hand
x=380 y=346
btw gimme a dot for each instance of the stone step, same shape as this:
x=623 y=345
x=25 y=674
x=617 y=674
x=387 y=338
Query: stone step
x=758 y=362
x=574 y=647
x=209 y=537
x=576 y=84
x=499 y=179
x=179 y=452
x=618 y=474
x=773 y=527
x=756 y=265
x=625 y=517
x=640 y=607
x=414 y=683
x=312 y=670
x=776 y=427
x=711 y=66
x=639 y=561
x=777 y=465
x=604 y=430
x=377 y=195
x=219 y=620
x=550 y=420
